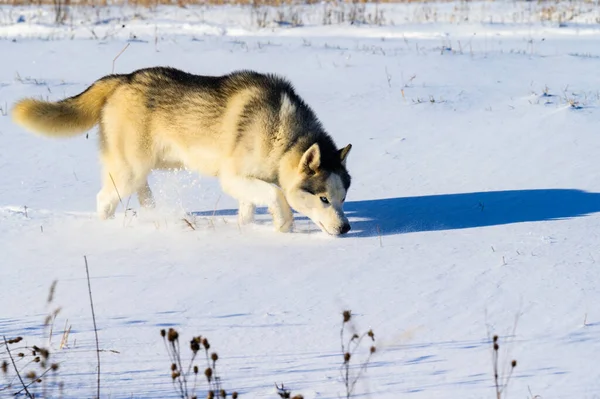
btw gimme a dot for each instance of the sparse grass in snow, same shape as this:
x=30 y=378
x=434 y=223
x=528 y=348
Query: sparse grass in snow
x=182 y=376
x=277 y=13
x=28 y=369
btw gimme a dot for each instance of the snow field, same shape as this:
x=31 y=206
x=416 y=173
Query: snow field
x=474 y=200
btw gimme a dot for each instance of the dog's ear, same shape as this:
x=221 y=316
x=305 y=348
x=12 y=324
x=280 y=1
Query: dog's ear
x=311 y=160
x=343 y=153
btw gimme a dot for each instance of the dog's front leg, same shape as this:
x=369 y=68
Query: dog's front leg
x=250 y=191
x=246 y=212
x=283 y=218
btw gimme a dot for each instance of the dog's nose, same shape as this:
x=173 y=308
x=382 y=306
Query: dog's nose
x=345 y=228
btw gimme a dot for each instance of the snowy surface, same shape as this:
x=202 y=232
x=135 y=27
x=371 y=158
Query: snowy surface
x=475 y=199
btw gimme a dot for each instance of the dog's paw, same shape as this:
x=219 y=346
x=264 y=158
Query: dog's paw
x=282 y=221
x=284 y=225
x=105 y=212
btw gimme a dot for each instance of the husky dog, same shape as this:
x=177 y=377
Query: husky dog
x=251 y=130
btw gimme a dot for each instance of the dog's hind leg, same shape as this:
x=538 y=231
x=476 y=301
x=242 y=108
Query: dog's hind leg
x=116 y=185
x=126 y=153
x=250 y=191
x=145 y=197
x=119 y=181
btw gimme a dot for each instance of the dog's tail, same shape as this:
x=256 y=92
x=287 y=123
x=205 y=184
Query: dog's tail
x=68 y=117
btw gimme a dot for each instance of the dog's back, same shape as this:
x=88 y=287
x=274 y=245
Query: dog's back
x=170 y=117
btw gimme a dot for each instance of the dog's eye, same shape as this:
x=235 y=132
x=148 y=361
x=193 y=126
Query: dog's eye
x=324 y=200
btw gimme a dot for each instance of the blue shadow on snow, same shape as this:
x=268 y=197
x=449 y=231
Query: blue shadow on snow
x=389 y=216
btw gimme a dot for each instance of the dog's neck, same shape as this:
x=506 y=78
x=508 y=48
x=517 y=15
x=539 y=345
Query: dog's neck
x=289 y=170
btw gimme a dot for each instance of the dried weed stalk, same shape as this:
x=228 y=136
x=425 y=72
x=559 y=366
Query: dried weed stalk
x=27 y=370
x=181 y=377
x=286 y=393
x=500 y=382
x=349 y=350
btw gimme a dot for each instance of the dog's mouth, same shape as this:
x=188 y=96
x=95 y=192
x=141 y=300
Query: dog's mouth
x=325 y=230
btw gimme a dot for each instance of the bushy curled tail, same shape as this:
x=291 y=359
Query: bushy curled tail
x=68 y=117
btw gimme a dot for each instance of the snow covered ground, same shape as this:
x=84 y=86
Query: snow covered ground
x=475 y=198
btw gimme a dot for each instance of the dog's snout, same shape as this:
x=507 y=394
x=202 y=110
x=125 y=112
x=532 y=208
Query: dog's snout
x=345 y=228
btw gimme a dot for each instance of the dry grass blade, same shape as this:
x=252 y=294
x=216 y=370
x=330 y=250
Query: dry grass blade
x=190 y=225
x=115 y=59
x=95 y=329
x=51 y=292
x=65 y=337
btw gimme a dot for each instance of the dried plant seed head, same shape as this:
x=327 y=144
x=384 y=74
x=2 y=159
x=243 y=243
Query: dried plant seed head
x=31 y=375
x=495 y=338
x=355 y=336
x=222 y=393
x=173 y=367
x=234 y=395
x=44 y=352
x=194 y=345
x=54 y=366
x=205 y=344
x=43 y=364
x=298 y=397
x=163 y=333
x=5 y=367
x=173 y=335
x=195 y=369
x=38 y=380
x=175 y=374
x=47 y=320
x=15 y=340
x=194 y=397
x=21 y=354
x=347 y=316
x=371 y=335
x=347 y=357
x=208 y=373
x=52 y=289
x=214 y=357
x=513 y=364
x=373 y=349
x=496 y=347
x=211 y=395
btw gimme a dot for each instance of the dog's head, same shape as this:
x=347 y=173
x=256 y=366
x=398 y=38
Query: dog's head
x=320 y=188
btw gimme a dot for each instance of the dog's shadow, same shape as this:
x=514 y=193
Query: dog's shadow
x=391 y=216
